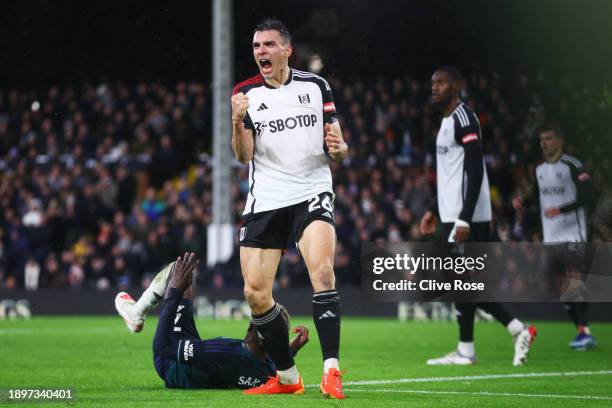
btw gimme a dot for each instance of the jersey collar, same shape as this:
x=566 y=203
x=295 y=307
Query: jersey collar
x=289 y=79
x=455 y=110
x=556 y=161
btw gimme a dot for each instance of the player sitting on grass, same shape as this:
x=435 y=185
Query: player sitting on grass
x=181 y=358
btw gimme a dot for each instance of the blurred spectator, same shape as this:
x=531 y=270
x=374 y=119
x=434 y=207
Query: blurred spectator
x=103 y=185
x=31 y=274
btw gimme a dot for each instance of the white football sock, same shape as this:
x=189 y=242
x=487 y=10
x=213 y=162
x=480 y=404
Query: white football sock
x=515 y=327
x=289 y=376
x=466 y=349
x=154 y=294
x=330 y=363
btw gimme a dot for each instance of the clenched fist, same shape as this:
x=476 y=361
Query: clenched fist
x=240 y=103
x=336 y=146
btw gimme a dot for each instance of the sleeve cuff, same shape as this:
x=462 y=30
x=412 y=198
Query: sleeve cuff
x=461 y=223
x=174 y=293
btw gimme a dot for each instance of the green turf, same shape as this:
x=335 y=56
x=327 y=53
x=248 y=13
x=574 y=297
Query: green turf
x=109 y=367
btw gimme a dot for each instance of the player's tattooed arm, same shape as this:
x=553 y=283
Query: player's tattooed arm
x=336 y=146
x=242 y=138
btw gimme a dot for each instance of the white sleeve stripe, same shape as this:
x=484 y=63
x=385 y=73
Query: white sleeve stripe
x=461 y=119
x=572 y=160
x=457 y=117
x=305 y=74
x=461 y=116
x=464 y=115
x=302 y=74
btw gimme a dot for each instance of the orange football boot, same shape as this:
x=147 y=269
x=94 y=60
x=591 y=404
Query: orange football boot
x=274 y=386
x=331 y=384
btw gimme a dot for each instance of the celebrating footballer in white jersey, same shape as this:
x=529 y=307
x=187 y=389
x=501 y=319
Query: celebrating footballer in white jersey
x=285 y=127
x=289 y=163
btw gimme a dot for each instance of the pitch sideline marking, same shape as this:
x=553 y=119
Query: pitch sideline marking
x=489 y=394
x=473 y=377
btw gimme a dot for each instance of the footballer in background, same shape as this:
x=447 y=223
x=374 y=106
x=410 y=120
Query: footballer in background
x=563 y=199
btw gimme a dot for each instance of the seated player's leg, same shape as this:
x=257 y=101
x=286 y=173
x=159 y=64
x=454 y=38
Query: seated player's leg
x=134 y=312
x=317 y=244
x=259 y=267
x=124 y=303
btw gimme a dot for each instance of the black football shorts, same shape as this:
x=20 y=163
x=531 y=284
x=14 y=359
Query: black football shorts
x=283 y=227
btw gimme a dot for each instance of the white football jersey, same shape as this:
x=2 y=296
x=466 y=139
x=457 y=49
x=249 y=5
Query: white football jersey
x=557 y=185
x=290 y=163
x=457 y=130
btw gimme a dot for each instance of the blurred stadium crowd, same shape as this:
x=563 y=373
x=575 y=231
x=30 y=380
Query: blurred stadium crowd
x=101 y=186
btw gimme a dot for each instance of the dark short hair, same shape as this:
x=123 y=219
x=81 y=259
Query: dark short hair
x=548 y=126
x=274 y=24
x=453 y=73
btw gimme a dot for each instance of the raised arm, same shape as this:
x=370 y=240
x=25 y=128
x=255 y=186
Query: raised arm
x=242 y=137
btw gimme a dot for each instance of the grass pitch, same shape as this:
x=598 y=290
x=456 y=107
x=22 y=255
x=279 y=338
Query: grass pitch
x=384 y=359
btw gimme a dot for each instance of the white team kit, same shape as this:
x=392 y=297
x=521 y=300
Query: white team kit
x=458 y=129
x=289 y=164
x=558 y=187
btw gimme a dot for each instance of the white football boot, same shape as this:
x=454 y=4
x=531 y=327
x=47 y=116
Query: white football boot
x=124 y=304
x=522 y=344
x=452 y=358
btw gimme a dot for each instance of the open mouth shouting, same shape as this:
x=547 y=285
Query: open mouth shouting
x=265 y=65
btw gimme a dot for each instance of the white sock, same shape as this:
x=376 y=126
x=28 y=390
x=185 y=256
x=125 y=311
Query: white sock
x=154 y=294
x=330 y=363
x=466 y=349
x=515 y=327
x=289 y=376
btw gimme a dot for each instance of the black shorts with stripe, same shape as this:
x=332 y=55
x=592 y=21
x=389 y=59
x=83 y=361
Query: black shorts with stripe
x=283 y=227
